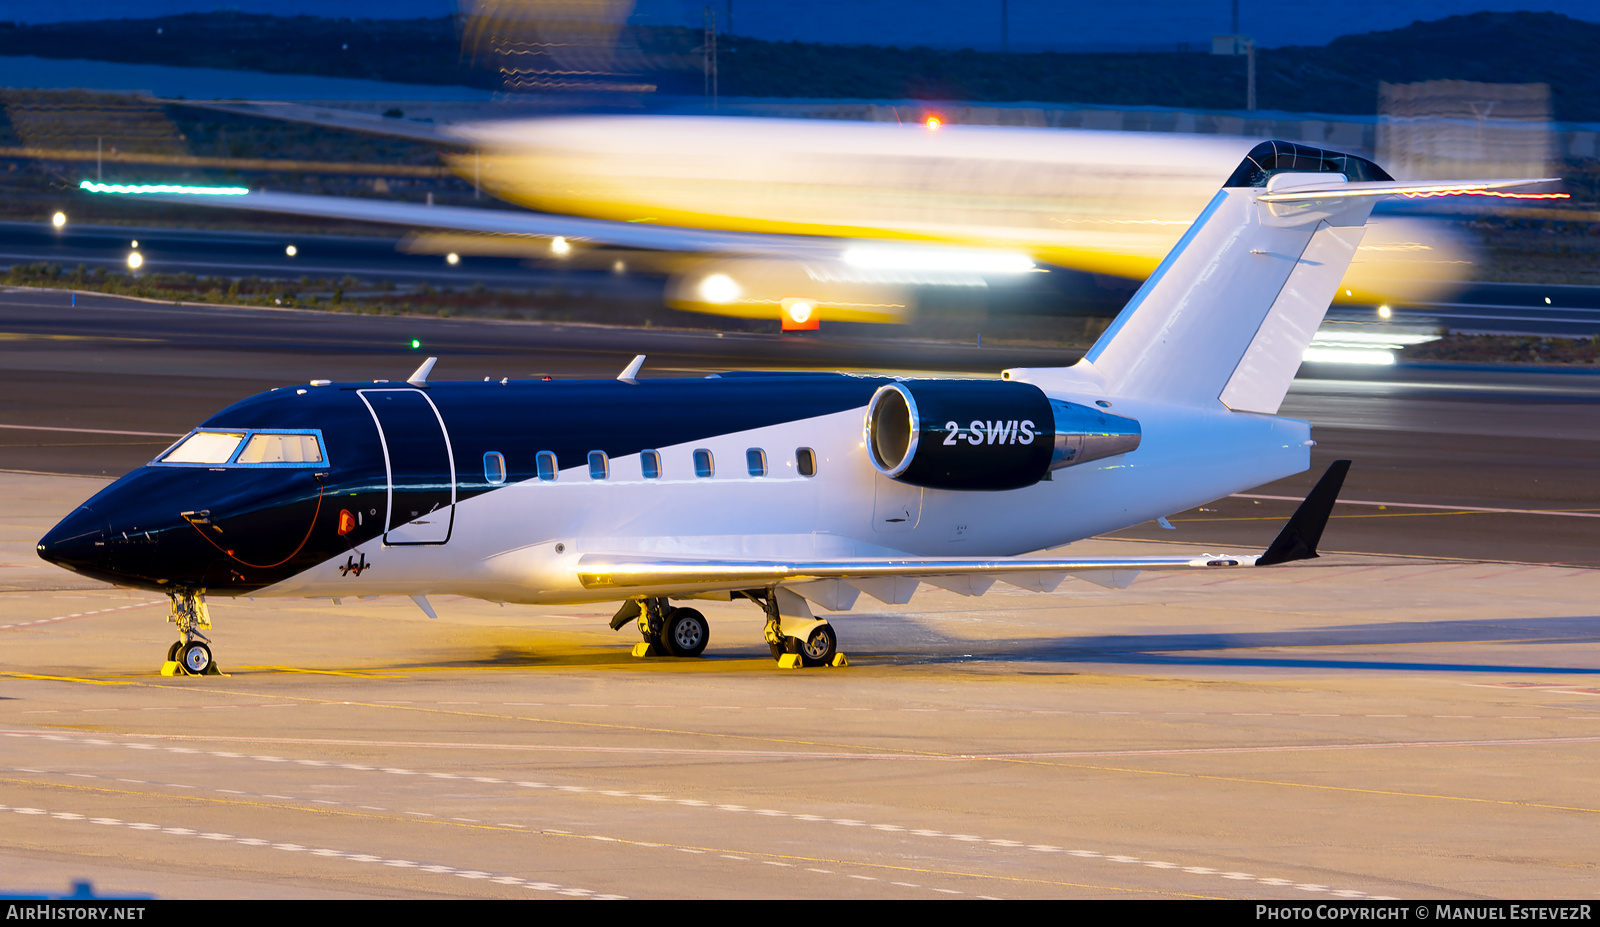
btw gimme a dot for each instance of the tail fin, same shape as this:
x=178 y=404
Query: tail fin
x=1229 y=312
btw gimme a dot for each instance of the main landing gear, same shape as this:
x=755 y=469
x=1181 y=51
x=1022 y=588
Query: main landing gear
x=795 y=636
x=667 y=631
x=190 y=655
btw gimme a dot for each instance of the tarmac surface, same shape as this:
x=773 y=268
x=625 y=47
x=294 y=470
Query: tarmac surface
x=1415 y=715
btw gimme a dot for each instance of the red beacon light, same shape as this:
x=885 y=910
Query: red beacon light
x=347 y=522
x=933 y=123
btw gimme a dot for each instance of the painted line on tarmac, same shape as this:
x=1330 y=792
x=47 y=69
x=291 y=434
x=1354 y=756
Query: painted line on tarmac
x=732 y=808
x=1417 y=505
x=323 y=852
x=1299 y=748
x=29 y=624
x=236 y=795
x=842 y=755
x=1059 y=712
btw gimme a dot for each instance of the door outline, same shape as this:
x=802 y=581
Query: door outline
x=388 y=467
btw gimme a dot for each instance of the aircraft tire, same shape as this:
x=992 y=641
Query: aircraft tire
x=819 y=646
x=172 y=652
x=196 y=658
x=686 y=633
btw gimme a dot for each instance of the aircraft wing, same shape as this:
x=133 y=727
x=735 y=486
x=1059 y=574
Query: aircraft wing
x=639 y=235
x=893 y=579
x=890 y=580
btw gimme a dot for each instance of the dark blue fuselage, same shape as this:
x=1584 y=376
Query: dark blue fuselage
x=395 y=460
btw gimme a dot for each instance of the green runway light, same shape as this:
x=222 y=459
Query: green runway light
x=415 y=344
x=135 y=189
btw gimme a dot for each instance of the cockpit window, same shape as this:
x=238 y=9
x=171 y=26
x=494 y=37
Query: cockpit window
x=248 y=448
x=270 y=449
x=205 y=447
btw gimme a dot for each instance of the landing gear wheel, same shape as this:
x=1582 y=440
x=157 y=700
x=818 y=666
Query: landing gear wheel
x=686 y=633
x=172 y=652
x=778 y=650
x=819 y=646
x=195 y=658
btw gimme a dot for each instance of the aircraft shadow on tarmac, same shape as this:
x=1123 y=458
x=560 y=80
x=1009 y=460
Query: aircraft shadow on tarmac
x=547 y=655
x=1223 y=649
x=1203 y=649
x=890 y=639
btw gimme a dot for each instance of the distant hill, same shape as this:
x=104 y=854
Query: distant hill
x=1340 y=77
x=413 y=51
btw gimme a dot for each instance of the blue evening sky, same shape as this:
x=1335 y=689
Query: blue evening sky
x=1033 y=24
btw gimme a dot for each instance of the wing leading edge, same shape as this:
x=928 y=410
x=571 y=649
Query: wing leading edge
x=893 y=580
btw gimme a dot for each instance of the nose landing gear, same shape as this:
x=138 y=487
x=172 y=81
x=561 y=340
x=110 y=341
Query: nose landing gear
x=190 y=655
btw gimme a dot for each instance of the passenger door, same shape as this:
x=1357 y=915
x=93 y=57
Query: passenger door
x=421 y=468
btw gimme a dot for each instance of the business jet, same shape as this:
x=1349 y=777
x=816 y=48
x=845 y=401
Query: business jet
x=787 y=490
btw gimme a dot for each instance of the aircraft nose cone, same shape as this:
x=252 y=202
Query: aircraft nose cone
x=77 y=542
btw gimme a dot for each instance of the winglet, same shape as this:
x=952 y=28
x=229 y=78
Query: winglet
x=1298 y=539
x=420 y=378
x=632 y=370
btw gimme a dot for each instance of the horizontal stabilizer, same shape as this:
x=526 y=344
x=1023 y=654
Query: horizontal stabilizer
x=1298 y=539
x=1397 y=188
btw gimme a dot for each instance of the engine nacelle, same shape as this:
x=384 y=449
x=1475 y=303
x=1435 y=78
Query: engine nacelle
x=985 y=434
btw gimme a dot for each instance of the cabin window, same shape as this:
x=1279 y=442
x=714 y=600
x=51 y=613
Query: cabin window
x=599 y=465
x=806 y=461
x=205 y=447
x=494 y=467
x=545 y=464
x=755 y=460
x=650 y=464
x=278 y=449
x=703 y=467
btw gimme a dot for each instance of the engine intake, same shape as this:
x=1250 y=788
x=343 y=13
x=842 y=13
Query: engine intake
x=985 y=434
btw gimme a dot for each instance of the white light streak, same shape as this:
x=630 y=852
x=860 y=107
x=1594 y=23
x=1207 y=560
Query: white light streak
x=944 y=260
